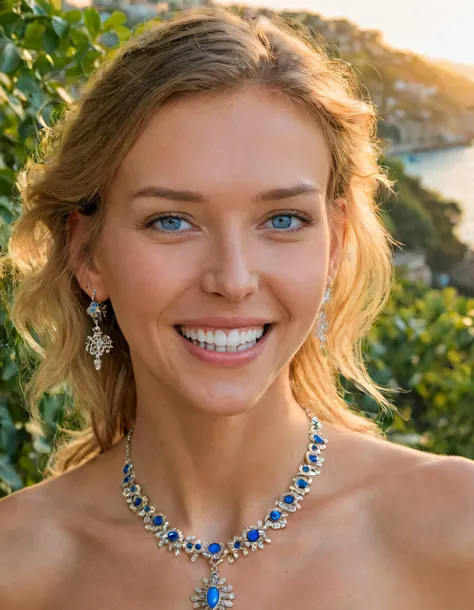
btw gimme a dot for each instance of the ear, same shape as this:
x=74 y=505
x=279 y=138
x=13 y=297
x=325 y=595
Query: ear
x=89 y=277
x=338 y=236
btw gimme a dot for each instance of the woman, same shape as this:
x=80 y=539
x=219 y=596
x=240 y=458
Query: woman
x=209 y=213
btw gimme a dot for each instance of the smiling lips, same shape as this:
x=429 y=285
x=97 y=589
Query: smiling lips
x=224 y=340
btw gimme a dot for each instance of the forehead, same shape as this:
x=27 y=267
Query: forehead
x=238 y=141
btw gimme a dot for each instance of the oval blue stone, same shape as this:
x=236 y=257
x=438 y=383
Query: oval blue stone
x=190 y=545
x=126 y=468
x=289 y=499
x=157 y=520
x=133 y=488
x=314 y=447
x=237 y=544
x=198 y=547
x=318 y=439
x=214 y=548
x=137 y=501
x=147 y=509
x=126 y=480
x=302 y=483
x=212 y=597
x=313 y=458
x=253 y=536
x=305 y=468
x=173 y=536
x=275 y=515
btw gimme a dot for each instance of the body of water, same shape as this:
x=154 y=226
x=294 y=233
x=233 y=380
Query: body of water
x=451 y=172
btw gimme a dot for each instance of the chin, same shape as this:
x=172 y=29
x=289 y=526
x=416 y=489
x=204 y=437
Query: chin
x=223 y=405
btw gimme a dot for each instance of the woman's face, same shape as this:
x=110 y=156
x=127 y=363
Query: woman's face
x=191 y=243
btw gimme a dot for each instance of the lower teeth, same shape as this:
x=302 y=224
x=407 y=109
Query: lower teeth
x=211 y=347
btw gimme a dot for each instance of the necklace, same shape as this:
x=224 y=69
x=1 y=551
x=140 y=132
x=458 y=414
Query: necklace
x=215 y=593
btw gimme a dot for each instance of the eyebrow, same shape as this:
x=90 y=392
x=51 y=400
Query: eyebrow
x=275 y=194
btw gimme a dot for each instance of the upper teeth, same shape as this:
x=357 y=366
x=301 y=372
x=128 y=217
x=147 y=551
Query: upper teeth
x=222 y=338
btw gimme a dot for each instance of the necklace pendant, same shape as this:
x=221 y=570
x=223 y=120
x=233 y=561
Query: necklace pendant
x=215 y=594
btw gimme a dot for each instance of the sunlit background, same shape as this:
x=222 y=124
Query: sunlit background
x=430 y=27
x=415 y=62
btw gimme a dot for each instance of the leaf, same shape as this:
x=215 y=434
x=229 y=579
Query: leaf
x=33 y=35
x=8 y=371
x=50 y=40
x=92 y=21
x=11 y=59
x=9 y=440
x=89 y=61
x=9 y=474
x=60 y=26
x=115 y=19
x=79 y=38
x=73 y=16
x=43 y=63
x=45 y=6
x=28 y=84
x=122 y=32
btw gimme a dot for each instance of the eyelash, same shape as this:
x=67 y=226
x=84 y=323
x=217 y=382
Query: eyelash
x=306 y=218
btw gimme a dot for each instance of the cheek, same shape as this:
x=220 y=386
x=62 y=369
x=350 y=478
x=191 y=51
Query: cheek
x=297 y=282
x=143 y=279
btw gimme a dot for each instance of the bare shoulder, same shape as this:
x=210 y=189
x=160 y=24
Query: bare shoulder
x=422 y=506
x=44 y=530
x=421 y=500
x=34 y=546
x=434 y=504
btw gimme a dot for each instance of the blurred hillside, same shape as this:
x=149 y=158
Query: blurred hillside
x=422 y=105
x=465 y=70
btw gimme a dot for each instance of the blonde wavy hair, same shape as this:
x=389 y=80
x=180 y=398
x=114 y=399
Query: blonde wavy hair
x=197 y=50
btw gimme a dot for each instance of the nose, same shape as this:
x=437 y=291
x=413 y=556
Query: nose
x=230 y=273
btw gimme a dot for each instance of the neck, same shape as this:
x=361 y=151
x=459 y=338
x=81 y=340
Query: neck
x=213 y=475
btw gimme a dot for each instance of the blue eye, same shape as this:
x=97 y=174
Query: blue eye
x=172 y=224
x=283 y=221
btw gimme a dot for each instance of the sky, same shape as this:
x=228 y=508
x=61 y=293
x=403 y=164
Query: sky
x=434 y=28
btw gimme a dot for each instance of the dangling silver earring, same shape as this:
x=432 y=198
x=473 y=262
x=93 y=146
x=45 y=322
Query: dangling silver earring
x=98 y=343
x=322 y=321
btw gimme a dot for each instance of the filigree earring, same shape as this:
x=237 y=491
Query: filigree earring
x=98 y=343
x=322 y=321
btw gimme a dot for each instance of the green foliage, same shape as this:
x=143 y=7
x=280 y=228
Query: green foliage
x=45 y=55
x=423 y=342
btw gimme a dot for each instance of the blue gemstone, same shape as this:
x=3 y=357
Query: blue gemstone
x=301 y=483
x=173 y=536
x=314 y=447
x=212 y=597
x=289 y=499
x=126 y=480
x=137 y=501
x=190 y=545
x=318 y=439
x=126 y=468
x=133 y=488
x=198 y=547
x=313 y=458
x=305 y=468
x=253 y=536
x=147 y=509
x=157 y=520
x=237 y=544
x=214 y=548
x=275 y=515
